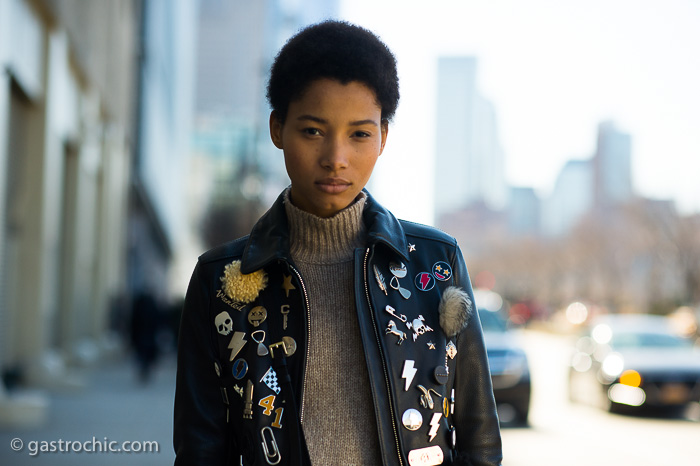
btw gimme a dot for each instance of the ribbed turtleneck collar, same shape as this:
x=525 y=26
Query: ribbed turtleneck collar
x=325 y=240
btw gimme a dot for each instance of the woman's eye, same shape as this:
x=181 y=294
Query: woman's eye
x=362 y=134
x=312 y=131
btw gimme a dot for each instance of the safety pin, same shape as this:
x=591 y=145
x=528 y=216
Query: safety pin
x=392 y=311
x=275 y=451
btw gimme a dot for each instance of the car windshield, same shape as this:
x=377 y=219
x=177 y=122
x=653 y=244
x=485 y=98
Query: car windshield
x=491 y=321
x=649 y=340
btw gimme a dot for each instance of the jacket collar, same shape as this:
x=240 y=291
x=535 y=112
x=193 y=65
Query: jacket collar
x=269 y=238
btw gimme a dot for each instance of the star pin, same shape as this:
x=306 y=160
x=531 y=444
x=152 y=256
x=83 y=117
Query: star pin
x=431 y=345
x=287 y=285
x=411 y=247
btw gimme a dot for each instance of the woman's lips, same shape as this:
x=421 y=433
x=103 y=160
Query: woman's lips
x=332 y=185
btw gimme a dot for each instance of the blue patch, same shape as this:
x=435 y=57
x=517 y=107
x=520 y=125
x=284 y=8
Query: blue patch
x=240 y=369
x=424 y=281
x=442 y=271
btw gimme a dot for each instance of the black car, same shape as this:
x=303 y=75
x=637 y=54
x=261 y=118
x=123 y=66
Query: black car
x=510 y=371
x=634 y=361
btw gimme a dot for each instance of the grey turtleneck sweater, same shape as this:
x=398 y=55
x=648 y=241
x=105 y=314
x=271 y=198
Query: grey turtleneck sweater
x=339 y=421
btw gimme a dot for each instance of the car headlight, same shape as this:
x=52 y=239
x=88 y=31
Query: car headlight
x=613 y=365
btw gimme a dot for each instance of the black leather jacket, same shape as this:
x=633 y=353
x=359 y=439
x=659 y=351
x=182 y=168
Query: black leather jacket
x=220 y=420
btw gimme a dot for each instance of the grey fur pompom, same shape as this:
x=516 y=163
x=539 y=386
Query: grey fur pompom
x=455 y=310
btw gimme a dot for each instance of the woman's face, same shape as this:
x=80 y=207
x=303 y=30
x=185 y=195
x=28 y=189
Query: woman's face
x=331 y=139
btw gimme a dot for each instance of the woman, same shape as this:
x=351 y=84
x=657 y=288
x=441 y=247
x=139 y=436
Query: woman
x=333 y=333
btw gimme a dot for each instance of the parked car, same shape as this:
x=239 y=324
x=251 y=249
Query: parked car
x=510 y=371
x=634 y=361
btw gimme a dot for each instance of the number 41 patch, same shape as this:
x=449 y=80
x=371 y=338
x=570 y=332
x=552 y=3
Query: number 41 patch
x=268 y=403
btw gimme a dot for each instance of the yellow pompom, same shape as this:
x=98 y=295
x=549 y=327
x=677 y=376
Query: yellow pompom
x=242 y=287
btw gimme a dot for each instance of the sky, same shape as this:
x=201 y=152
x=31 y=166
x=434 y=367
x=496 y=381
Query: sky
x=554 y=70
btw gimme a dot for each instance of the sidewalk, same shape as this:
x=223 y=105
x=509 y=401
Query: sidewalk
x=114 y=407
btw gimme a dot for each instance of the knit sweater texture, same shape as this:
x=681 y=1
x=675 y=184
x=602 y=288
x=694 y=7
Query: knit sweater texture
x=339 y=420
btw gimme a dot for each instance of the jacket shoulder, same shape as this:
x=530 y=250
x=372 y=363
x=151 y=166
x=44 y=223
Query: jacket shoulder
x=418 y=230
x=227 y=250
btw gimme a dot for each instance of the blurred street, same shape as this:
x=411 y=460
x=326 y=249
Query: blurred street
x=563 y=433
x=114 y=406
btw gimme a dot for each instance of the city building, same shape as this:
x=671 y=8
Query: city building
x=524 y=212
x=93 y=134
x=67 y=102
x=469 y=165
x=570 y=200
x=612 y=166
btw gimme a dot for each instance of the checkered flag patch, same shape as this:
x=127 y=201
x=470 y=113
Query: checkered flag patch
x=270 y=379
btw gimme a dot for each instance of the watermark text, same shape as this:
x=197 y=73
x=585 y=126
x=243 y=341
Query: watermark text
x=94 y=445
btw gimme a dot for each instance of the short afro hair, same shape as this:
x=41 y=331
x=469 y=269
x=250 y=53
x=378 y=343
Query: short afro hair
x=335 y=50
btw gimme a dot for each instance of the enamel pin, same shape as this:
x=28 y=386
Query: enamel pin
x=398 y=271
x=257 y=315
x=434 y=426
x=239 y=369
x=418 y=326
x=441 y=375
x=223 y=322
x=262 y=349
x=392 y=311
x=248 y=401
x=428 y=456
x=285 y=312
x=380 y=279
x=451 y=350
x=426 y=400
x=424 y=281
x=236 y=343
x=270 y=379
x=412 y=419
x=408 y=372
x=442 y=271
x=287 y=285
x=391 y=328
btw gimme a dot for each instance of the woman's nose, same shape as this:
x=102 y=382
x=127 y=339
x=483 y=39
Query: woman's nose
x=335 y=154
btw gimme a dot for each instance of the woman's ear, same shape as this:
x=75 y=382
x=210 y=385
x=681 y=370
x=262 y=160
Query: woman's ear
x=385 y=133
x=276 y=130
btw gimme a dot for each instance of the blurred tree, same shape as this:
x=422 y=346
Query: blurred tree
x=641 y=256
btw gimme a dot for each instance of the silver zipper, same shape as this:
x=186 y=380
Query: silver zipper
x=379 y=346
x=308 y=337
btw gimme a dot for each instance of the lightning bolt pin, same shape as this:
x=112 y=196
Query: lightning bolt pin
x=236 y=343
x=408 y=372
x=434 y=426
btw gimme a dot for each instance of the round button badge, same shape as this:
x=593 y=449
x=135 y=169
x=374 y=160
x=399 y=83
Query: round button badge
x=442 y=271
x=424 y=281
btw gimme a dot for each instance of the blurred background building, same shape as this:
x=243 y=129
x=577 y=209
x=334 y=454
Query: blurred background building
x=469 y=159
x=94 y=124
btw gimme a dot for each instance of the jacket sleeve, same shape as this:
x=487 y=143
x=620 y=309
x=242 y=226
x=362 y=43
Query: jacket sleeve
x=475 y=418
x=200 y=415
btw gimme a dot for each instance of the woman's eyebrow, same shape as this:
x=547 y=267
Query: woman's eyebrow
x=311 y=118
x=323 y=121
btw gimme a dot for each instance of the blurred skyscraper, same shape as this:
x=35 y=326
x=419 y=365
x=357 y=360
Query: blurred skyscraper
x=571 y=198
x=524 y=212
x=469 y=160
x=598 y=183
x=612 y=166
